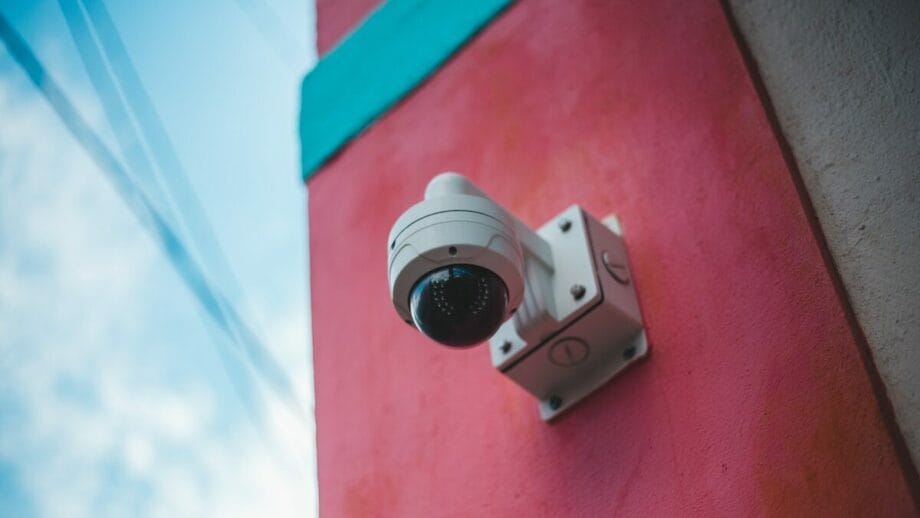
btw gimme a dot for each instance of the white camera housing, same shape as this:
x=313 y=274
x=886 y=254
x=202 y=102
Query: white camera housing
x=454 y=217
x=572 y=319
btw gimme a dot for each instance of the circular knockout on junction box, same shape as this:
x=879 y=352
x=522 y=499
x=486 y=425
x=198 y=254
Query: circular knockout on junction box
x=569 y=352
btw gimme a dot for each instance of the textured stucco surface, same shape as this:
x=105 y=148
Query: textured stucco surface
x=844 y=79
x=755 y=400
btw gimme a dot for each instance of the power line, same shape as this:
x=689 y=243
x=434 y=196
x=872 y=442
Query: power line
x=271 y=28
x=146 y=148
x=215 y=305
x=151 y=132
x=138 y=163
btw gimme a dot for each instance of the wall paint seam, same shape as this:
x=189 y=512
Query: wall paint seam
x=332 y=124
x=902 y=452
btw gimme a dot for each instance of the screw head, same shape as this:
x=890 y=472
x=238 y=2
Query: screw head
x=506 y=347
x=555 y=402
x=565 y=224
x=629 y=352
x=577 y=291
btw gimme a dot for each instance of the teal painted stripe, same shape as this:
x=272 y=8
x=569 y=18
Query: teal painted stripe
x=397 y=47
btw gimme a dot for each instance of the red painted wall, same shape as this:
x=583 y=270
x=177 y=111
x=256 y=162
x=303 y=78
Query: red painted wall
x=335 y=18
x=754 y=400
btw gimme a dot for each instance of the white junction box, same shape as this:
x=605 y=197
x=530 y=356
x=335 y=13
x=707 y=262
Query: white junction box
x=579 y=324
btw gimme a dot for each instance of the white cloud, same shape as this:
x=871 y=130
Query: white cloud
x=106 y=419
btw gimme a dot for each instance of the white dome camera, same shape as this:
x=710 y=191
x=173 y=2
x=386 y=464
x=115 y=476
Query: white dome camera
x=557 y=305
x=455 y=263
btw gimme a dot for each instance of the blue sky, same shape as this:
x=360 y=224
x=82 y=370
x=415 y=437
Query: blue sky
x=117 y=397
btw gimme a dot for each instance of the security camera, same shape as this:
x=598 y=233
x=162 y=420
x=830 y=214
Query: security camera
x=456 y=265
x=557 y=305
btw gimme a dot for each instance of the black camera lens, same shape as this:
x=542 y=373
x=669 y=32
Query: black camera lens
x=459 y=305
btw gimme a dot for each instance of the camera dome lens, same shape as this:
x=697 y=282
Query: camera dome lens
x=459 y=305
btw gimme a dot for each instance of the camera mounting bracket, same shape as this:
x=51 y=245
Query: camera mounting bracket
x=579 y=324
